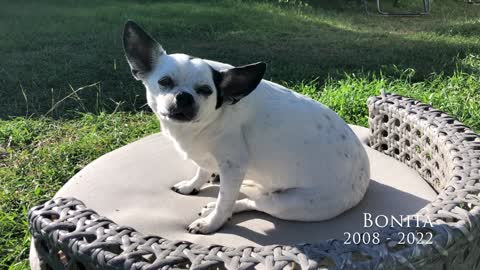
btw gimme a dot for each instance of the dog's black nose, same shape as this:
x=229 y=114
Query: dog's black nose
x=182 y=108
x=184 y=100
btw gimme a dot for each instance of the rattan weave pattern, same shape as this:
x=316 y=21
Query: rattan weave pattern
x=67 y=235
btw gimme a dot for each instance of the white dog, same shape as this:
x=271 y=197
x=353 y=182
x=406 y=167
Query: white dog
x=302 y=161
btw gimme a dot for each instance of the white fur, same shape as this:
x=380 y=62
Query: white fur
x=301 y=160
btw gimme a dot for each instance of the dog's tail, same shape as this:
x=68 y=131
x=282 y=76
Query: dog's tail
x=251 y=189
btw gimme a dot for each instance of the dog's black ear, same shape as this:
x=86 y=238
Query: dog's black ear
x=140 y=49
x=236 y=83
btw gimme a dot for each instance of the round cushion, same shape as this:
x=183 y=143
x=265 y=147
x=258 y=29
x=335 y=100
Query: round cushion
x=131 y=186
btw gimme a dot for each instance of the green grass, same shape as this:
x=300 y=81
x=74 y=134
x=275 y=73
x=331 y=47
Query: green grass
x=38 y=156
x=50 y=128
x=48 y=46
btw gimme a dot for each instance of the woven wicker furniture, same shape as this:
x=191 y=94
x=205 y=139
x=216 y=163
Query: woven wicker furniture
x=68 y=235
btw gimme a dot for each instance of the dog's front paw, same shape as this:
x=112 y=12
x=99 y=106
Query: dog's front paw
x=205 y=225
x=186 y=188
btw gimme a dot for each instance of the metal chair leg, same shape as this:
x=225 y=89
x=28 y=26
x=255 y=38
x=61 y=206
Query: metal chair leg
x=426 y=9
x=472 y=2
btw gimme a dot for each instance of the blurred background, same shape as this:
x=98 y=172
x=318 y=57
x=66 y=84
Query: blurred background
x=49 y=48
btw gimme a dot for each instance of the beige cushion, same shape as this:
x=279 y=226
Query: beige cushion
x=131 y=186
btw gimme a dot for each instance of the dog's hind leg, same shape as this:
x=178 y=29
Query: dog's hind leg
x=248 y=188
x=300 y=204
x=242 y=205
x=290 y=204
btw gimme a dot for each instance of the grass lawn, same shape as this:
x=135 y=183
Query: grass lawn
x=50 y=127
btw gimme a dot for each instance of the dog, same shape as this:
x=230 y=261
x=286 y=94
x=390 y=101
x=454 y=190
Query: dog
x=293 y=158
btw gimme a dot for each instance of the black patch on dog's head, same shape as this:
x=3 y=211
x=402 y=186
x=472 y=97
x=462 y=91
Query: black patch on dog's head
x=234 y=84
x=217 y=77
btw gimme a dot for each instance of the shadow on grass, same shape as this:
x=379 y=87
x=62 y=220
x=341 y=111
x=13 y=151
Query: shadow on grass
x=53 y=47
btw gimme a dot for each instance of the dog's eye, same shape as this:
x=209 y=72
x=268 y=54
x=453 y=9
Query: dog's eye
x=166 y=82
x=204 y=90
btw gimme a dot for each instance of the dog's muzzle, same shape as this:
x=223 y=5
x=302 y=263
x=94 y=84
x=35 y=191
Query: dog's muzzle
x=182 y=108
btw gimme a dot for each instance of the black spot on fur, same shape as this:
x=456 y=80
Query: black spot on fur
x=217 y=77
